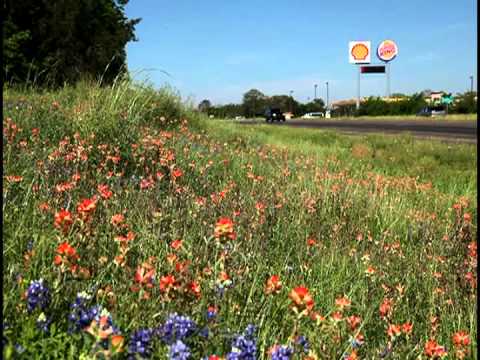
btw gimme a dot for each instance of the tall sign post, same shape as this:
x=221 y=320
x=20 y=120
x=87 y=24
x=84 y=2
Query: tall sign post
x=359 y=53
x=387 y=50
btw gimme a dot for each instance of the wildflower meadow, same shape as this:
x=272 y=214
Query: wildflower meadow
x=134 y=228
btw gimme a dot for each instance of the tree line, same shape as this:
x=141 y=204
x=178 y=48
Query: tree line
x=51 y=43
x=254 y=103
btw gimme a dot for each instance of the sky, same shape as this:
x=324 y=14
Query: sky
x=220 y=49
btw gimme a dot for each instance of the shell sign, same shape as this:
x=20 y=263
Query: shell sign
x=359 y=52
x=387 y=50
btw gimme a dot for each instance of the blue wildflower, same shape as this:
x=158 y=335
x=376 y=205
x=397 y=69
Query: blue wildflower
x=43 y=323
x=281 y=352
x=179 y=351
x=244 y=347
x=37 y=295
x=176 y=327
x=140 y=343
x=303 y=342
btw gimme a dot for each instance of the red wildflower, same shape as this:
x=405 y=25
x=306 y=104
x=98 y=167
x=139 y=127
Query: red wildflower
x=301 y=297
x=461 y=338
x=273 y=285
x=104 y=191
x=176 y=173
x=386 y=307
x=63 y=220
x=145 y=275
x=353 y=321
x=336 y=316
x=176 y=244
x=66 y=257
x=194 y=288
x=407 y=328
x=394 y=330
x=311 y=242
x=224 y=229
x=167 y=283
x=432 y=349
x=342 y=302
x=87 y=207
x=14 y=178
x=117 y=219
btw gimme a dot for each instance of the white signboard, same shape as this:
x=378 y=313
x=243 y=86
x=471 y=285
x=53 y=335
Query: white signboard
x=359 y=52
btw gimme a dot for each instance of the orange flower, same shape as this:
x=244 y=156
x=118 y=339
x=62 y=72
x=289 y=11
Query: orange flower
x=14 y=178
x=432 y=349
x=87 y=207
x=117 y=219
x=224 y=229
x=311 y=242
x=176 y=173
x=394 y=330
x=353 y=321
x=194 y=288
x=144 y=275
x=461 y=338
x=63 y=220
x=342 y=302
x=301 y=297
x=407 y=328
x=336 y=316
x=386 y=307
x=104 y=191
x=273 y=285
x=177 y=244
x=167 y=283
x=66 y=257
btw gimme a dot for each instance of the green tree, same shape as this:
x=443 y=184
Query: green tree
x=57 y=42
x=254 y=102
x=204 y=106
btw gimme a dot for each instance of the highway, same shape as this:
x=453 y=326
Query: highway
x=458 y=130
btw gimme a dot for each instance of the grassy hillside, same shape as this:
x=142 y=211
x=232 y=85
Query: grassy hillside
x=133 y=228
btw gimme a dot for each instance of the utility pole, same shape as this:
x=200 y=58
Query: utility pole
x=327 y=93
x=315 y=97
x=471 y=84
x=291 y=101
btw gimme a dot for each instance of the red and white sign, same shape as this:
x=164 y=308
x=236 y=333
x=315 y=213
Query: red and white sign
x=387 y=50
x=359 y=52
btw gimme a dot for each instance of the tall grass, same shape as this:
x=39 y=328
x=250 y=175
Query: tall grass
x=358 y=223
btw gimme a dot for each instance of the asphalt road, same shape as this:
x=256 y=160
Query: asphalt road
x=463 y=131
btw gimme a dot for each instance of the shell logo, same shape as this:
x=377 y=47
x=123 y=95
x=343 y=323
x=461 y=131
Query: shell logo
x=387 y=50
x=359 y=51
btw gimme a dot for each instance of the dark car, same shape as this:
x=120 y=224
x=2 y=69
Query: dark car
x=274 y=114
x=432 y=111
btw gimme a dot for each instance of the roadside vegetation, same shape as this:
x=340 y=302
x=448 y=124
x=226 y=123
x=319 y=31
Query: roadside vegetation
x=134 y=228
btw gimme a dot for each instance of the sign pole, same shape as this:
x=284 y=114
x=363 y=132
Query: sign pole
x=387 y=65
x=358 y=88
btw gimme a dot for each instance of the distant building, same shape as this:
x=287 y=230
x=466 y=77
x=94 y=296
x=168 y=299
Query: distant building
x=434 y=97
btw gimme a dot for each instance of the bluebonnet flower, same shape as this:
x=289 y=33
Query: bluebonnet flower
x=302 y=341
x=211 y=312
x=179 y=351
x=244 y=347
x=19 y=348
x=43 y=323
x=80 y=316
x=204 y=332
x=281 y=352
x=140 y=343
x=37 y=295
x=30 y=245
x=176 y=327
